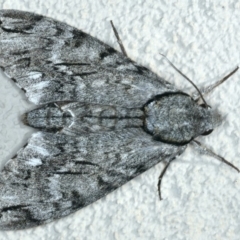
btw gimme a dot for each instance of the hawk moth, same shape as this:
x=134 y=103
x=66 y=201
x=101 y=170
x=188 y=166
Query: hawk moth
x=103 y=119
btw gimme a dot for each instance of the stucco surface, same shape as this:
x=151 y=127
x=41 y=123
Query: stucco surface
x=201 y=195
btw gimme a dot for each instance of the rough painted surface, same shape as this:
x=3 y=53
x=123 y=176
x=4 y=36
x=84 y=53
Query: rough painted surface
x=203 y=41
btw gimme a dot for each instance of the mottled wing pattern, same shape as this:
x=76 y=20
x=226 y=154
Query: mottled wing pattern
x=94 y=140
x=56 y=174
x=52 y=61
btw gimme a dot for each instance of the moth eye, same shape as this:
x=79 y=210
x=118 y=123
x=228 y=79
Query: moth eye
x=207 y=132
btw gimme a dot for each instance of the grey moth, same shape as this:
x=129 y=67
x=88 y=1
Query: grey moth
x=102 y=119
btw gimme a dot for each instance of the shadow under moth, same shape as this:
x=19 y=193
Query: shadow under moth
x=103 y=119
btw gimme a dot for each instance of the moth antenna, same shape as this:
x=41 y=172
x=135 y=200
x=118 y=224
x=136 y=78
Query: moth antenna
x=160 y=179
x=118 y=39
x=216 y=84
x=205 y=103
x=211 y=153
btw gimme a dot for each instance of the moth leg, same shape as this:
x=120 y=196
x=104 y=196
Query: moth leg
x=210 y=88
x=209 y=152
x=160 y=179
x=118 y=39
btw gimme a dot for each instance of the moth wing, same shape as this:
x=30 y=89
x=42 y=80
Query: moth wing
x=52 y=61
x=55 y=174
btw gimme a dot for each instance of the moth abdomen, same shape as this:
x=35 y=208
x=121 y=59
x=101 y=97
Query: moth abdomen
x=77 y=118
x=49 y=118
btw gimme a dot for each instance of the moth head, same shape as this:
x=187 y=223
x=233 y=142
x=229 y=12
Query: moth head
x=176 y=118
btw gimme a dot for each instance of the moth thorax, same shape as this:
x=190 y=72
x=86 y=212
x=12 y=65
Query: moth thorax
x=176 y=118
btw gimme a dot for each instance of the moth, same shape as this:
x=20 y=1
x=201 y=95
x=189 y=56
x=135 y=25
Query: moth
x=102 y=119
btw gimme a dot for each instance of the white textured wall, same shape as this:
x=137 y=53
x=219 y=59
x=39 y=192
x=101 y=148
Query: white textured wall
x=201 y=195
